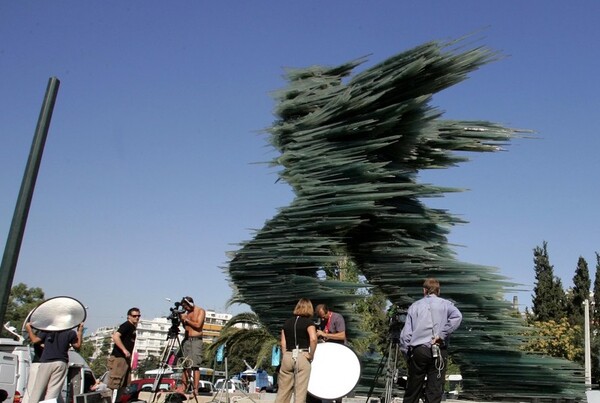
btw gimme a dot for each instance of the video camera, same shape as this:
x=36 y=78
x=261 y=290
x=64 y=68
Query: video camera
x=176 y=311
x=396 y=319
x=396 y=315
x=175 y=318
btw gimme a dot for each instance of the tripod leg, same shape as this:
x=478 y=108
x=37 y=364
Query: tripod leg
x=391 y=372
x=377 y=374
x=162 y=367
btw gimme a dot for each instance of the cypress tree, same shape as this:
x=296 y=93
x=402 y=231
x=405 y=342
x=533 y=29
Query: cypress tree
x=595 y=309
x=596 y=306
x=581 y=292
x=549 y=297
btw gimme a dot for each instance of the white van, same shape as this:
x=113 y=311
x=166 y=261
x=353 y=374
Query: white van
x=80 y=377
x=8 y=374
x=233 y=385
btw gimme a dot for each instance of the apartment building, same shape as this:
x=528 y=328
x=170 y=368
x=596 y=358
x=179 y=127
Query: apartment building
x=153 y=334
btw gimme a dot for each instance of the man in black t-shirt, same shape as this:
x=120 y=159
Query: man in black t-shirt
x=119 y=361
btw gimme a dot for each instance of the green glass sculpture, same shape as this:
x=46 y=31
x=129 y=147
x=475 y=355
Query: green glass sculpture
x=351 y=147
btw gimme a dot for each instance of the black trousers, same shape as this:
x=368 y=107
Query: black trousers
x=421 y=364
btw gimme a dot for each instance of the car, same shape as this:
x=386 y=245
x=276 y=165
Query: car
x=205 y=388
x=233 y=385
x=133 y=390
x=256 y=380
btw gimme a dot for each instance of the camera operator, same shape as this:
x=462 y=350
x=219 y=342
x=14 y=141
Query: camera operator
x=424 y=339
x=193 y=322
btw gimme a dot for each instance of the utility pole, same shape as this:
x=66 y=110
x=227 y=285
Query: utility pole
x=17 y=226
x=587 y=338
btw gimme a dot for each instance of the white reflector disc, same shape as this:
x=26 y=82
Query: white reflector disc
x=335 y=371
x=58 y=313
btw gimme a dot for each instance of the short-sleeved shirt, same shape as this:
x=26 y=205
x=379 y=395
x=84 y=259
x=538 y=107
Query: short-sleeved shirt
x=295 y=330
x=335 y=324
x=37 y=353
x=128 y=334
x=56 y=345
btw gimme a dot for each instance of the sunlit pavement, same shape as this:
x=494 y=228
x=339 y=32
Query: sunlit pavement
x=238 y=397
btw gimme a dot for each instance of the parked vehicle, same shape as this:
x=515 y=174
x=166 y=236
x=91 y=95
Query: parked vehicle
x=133 y=390
x=233 y=385
x=205 y=388
x=8 y=375
x=256 y=379
x=80 y=377
x=454 y=385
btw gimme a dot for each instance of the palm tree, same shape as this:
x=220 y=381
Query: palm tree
x=247 y=340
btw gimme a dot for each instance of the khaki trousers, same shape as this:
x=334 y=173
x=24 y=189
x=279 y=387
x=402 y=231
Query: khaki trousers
x=118 y=372
x=33 y=369
x=293 y=378
x=49 y=382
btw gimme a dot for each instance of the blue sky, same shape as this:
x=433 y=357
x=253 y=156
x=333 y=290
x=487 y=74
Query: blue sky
x=152 y=168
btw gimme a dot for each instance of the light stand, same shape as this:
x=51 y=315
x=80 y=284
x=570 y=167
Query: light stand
x=224 y=388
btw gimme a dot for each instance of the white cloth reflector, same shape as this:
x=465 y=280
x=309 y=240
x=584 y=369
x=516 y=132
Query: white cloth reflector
x=335 y=371
x=58 y=313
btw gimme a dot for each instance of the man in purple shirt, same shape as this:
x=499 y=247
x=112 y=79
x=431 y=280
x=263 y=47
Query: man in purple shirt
x=332 y=327
x=424 y=340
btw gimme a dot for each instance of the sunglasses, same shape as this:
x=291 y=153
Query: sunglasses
x=136 y=316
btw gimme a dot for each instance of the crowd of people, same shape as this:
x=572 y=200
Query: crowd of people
x=49 y=366
x=424 y=340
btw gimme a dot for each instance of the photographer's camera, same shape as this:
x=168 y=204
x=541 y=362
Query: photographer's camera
x=175 y=318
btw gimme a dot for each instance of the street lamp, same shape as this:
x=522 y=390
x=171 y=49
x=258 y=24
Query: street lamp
x=587 y=348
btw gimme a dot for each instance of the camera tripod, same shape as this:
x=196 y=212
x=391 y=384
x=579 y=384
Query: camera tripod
x=389 y=361
x=388 y=366
x=167 y=357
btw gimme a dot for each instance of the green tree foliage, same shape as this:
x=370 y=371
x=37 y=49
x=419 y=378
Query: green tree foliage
x=579 y=293
x=555 y=331
x=21 y=301
x=549 y=301
x=556 y=338
x=147 y=364
x=374 y=324
x=253 y=343
x=370 y=309
x=99 y=364
x=595 y=309
x=86 y=350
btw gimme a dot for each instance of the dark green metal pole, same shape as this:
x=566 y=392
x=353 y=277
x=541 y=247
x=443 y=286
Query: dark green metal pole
x=17 y=227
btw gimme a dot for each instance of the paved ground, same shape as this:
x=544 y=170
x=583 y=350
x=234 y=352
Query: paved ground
x=238 y=397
